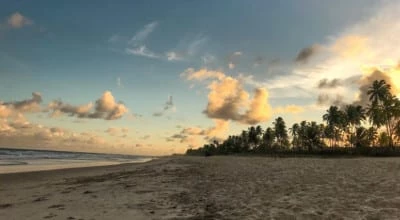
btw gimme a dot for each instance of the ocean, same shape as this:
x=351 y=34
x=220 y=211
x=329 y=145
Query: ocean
x=24 y=160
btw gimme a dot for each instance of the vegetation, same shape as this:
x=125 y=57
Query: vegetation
x=344 y=132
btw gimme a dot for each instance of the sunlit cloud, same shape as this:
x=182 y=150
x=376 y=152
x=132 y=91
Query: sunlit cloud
x=14 y=108
x=104 y=108
x=17 y=20
x=228 y=100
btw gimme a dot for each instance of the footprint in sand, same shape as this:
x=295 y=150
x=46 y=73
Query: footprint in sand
x=57 y=206
x=40 y=199
x=4 y=206
x=50 y=215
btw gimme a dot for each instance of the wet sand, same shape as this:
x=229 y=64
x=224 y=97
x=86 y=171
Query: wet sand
x=209 y=188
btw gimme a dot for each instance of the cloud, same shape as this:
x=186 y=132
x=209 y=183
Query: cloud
x=115 y=38
x=168 y=106
x=142 y=51
x=182 y=138
x=371 y=75
x=112 y=131
x=173 y=56
x=187 y=48
x=326 y=84
x=21 y=133
x=107 y=108
x=119 y=83
x=104 y=108
x=350 y=46
x=221 y=126
x=17 y=20
x=145 y=137
x=306 y=53
x=260 y=109
x=327 y=100
x=58 y=108
x=345 y=55
x=202 y=74
x=227 y=99
x=188 y=135
x=142 y=34
x=207 y=59
x=29 y=105
x=5 y=111
x=195 y=44
x=233 y=59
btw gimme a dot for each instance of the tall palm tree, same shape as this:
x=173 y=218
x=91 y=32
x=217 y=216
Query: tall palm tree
x=379 y=91
x=268 y=138
x=294 y=131
x=281 y=132
x=336 y=119
x=354 y=116
x=244 y=137
x=252 y=135
x=382 y=101
x=372 y=135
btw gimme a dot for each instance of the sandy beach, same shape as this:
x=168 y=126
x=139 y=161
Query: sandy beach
x=209 y=188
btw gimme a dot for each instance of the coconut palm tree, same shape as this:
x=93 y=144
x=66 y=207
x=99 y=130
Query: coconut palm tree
x=294 y=131
x=380 y=111
x=281 y=132
x=379 y=92
x=354 y=116
x=336 y=119
x=268 y=138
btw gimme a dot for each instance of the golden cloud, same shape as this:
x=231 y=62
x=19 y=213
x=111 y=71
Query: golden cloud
x=228 y=100
x=105 y=108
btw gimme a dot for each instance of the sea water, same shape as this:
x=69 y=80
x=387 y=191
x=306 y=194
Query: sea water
x=24 y=160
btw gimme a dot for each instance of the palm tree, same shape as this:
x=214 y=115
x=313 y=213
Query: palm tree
x=252 y=135
x=379 y=91
x=281 y=132
x=313 y=136
x=244 y=137
x=372 y=135
x=329 y=132
x=382 y=101
x=336 y=119
x=268 y=138
x=354 y=116
x=361 y=137
x=294 y=131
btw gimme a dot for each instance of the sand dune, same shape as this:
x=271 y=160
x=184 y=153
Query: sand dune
x=209 y=188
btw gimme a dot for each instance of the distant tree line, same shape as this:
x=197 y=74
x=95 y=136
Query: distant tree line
x=343 y=133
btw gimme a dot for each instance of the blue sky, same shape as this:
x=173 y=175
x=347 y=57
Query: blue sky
x=138 y=50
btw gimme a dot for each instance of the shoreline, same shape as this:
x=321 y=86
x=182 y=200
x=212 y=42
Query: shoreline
x=218 y=187
x=71 y=171
x=33 y=165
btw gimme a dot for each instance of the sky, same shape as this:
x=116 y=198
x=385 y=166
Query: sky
x=159 y=77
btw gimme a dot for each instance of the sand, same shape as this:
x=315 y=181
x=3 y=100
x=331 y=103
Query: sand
x=209 y=188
